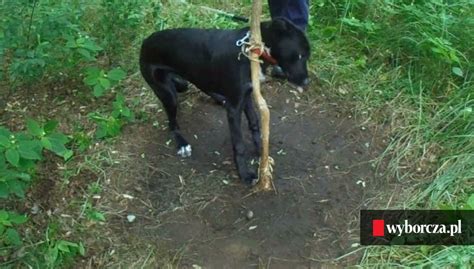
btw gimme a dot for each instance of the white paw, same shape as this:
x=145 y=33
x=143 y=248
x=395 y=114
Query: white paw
x=185 y=151
x=254 y=181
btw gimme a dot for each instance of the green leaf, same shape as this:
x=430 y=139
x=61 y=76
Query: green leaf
x=13 y=237
x=64 y=246
x=116 y=74
x=58 y=138
x=34 y=128
x=101 y=131
x=46 y=143
x=85 y=53
x=13 y=174
x=90 y=80
x=82 y=250
x=119 y=100
x=12 y=157
x=18 y=219
x=91 y=45
x=115 y=113
x=56 y=143
x=71 y=43
x=93 y=71
x=453 y=56
x=68 y=154
x=68 y=243
x=80 y=41
x=96 y=215
x=457 y=71
x=23 y=176
x=105 y=83
x=4 y=141
x=113 y=127
x=23 y=137
x=30 y=150
x=3 y=164
x=50 y=126
x=126 y=112
x=5 y=132
x=53 y=255
x=17 y=187
x=3 y=215
x=98 y=90
x=4 y=190
x=94 y=46
x=6 y=223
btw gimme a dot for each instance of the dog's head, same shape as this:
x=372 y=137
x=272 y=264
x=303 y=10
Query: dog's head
x=290 y=47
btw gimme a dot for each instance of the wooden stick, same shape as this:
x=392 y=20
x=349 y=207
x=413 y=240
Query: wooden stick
x=264 y=174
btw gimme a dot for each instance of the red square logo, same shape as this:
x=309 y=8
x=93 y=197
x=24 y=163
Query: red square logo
x=378 y=227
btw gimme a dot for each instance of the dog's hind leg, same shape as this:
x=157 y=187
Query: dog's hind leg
x=165 y=89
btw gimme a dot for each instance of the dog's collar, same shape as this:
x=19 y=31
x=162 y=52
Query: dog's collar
x=264 y=53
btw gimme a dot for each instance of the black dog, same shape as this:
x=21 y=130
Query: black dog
x=211 y=59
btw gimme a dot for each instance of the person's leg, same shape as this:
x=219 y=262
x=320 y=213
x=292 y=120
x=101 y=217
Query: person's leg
x=278 y=8
x=298 y=12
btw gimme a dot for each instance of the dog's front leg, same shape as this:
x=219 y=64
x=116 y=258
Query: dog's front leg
x=234 y=115
x=253 y=121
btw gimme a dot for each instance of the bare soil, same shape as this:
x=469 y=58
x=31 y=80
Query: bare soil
x=194 y=211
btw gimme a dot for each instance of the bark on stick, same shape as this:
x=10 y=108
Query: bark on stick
x=265 y=170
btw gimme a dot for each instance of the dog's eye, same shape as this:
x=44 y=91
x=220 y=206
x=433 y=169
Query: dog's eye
x=300 y=56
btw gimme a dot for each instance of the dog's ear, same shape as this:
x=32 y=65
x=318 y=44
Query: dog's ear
x=280 y=24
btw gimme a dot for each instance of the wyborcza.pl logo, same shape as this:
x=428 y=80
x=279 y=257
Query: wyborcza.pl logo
x=417 y=227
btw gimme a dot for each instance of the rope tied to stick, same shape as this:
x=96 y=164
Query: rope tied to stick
x=260 y=49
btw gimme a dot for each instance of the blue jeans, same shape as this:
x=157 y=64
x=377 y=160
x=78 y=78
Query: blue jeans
x=296 y=11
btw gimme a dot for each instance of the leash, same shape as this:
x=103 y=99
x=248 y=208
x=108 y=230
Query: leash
x=247 y=47
x=226 y=14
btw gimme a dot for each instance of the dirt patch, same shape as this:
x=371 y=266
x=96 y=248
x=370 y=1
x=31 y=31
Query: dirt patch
x=196 y=208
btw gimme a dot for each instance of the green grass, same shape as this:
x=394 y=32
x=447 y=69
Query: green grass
x=407 y=64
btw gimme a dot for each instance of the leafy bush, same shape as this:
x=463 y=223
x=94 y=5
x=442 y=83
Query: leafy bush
x=36 y=33
x=54 y=251
x=61 y=250
x=100 y=80
x=20 y=151
x=19 y=156
x=111 y=125
x=8 y=234
x=41 y=37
